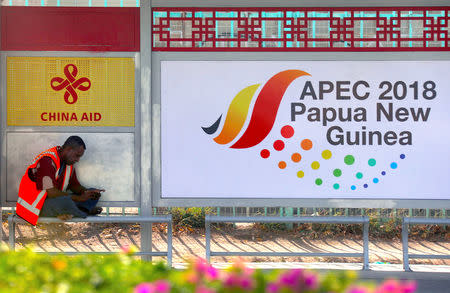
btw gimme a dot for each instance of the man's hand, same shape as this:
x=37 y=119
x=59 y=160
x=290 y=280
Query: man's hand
x=87 y=194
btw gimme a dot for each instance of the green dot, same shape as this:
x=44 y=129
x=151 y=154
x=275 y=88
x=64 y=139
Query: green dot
x=337 y=172
x=319 y=181
x=372 y=162
x=359 y=175
x=336 y=186
x=349 y=159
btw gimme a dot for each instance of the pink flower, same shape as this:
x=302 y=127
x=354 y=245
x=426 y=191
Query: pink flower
x=231 y=280
x=311 y=281
x=200 y=265
x=272 y=288
x=389 y=286
x=409 y=287
x=246 y=283
x=212 y=273
x=358 y=290
x=162 y=286
x=144 y=288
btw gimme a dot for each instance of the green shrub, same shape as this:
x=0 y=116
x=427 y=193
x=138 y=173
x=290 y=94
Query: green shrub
x=190 y=217
x=25 y=271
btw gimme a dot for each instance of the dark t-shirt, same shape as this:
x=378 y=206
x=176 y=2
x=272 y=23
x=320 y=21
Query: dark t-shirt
x=46 y=167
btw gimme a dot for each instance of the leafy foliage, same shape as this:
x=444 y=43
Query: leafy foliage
x=26 y=271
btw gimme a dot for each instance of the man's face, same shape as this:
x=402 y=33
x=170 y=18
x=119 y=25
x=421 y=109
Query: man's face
x=73 y=155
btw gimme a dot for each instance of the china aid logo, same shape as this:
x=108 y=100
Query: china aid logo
x=263 y=115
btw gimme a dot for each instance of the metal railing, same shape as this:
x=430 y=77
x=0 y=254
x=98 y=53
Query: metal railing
x=324 y=220
x=405 y=230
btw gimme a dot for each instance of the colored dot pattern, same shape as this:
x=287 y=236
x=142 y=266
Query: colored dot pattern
x=326 y=154
x=315 y=165
x=306 y=144
x=265 y=153
x=337 y=172
x=296 y=157
x=287 y=131
x=372 y=162
x=349 y=159
x=278 y=145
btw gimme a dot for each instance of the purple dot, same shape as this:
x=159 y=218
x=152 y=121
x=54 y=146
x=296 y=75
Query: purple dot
x=383 y=173
x=365 y=185
x=402 y=156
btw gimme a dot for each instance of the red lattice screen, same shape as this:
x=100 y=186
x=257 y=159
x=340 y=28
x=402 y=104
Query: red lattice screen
x=302 y=29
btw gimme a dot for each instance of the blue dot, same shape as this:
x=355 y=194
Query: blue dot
x=383 y=173
x=375 y=180
x=365 y=185
x=394 y=165
x=402 y=156
x=353 y=187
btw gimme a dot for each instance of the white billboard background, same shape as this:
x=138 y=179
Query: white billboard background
x=195 y=93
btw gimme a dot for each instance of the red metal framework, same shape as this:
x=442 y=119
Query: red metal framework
x=301 y=29
x=70 y=29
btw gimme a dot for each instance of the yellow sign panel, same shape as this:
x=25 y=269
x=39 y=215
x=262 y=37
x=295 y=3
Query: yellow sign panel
x=67 y=91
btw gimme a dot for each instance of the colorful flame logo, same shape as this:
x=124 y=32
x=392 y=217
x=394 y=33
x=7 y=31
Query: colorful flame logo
x=264 y=111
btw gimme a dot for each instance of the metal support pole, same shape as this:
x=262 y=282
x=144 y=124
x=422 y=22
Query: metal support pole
x=208 y=238
x=12 y=232
x=366 y=244
x=405 y=228
x=146 y=123
x=169 y=244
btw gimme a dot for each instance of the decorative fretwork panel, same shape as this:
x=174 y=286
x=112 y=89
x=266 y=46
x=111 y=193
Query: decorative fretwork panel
x=301 y=29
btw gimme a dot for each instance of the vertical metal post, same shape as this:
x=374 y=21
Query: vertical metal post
x=366 y=243
x=169 y=243
x=12 y=232
x=405 y=228
x=207 y=238
x=144 y=123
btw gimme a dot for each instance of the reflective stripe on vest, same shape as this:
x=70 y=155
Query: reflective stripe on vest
x=67 y=177
x=32 y=207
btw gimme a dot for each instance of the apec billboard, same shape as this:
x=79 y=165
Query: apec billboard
x=305 y=129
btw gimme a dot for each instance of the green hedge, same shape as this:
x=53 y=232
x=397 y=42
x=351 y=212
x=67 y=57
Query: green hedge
x=26 y=271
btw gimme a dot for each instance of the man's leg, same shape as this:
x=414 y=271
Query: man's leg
x=61 y=205
x=89 y=206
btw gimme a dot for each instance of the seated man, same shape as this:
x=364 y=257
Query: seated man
x=43 y=187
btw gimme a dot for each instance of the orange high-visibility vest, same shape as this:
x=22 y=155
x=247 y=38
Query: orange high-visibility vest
x=31 y=199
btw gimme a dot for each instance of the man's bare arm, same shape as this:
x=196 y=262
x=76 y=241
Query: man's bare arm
x=55 y=192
